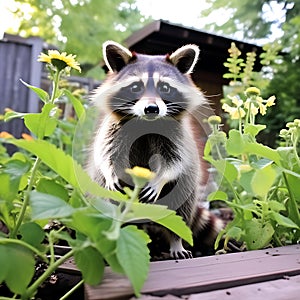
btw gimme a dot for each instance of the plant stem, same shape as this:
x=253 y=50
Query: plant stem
x=52 y=267
x=26 y=245
x=293 y=209
x=72 y=290
x=55 y=86
x=26 y=198
x=128 y=205
x=295 y=142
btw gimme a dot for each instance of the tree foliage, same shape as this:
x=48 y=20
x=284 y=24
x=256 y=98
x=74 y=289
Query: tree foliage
x=80 y=26
x=257 y=19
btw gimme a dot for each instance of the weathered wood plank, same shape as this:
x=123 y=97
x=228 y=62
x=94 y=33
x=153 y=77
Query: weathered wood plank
x=204 y=274
x=287 y=289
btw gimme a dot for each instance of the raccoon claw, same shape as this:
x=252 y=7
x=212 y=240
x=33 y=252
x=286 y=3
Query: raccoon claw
x=178 y=252
x=147 y=195
x=183 y=254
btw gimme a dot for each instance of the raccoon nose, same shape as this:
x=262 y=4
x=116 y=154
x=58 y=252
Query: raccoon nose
x=151 y=109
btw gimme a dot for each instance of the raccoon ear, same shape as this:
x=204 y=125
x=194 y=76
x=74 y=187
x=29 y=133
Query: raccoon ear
x=115 y=56
x=185 y=58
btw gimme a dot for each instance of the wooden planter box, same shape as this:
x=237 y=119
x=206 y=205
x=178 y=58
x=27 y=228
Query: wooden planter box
x=263 y=274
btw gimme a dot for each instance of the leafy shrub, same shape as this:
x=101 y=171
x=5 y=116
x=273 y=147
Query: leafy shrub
x=260 y=184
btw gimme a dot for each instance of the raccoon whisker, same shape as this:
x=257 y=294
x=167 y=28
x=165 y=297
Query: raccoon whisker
x=175 y=103
x=125 y=100
x=212 y=96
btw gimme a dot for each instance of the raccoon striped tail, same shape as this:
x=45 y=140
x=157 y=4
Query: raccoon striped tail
x=206 y=226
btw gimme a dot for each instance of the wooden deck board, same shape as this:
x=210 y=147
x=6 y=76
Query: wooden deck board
x=287 y=289
x=185 y=277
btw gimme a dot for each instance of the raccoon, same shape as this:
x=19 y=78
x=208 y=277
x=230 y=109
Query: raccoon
x=146 y=106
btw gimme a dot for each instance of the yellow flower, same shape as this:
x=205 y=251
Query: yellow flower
x=140 y=176
x=262 y=109
x=254 y=110
x=271 y=101
x=252 y=91
x=214 y=120
x=141 y=173
x=60 y=60
x=235 y=112
x=234 y=51
x=236 y=101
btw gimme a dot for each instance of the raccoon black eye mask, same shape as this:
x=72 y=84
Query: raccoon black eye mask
x=146 y=104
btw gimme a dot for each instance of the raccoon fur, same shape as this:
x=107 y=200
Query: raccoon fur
x=146 y=105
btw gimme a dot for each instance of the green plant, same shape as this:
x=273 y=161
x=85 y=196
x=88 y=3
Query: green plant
x=258 y=183
x=44 y=183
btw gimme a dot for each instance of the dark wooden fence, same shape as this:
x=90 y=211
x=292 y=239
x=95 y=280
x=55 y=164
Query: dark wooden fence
x=18 y=60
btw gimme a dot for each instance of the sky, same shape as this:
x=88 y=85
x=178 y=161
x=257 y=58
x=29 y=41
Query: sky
x=186 y=12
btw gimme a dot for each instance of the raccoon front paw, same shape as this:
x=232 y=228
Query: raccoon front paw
x=148 y=195
x=178 y=252
x=113 y=184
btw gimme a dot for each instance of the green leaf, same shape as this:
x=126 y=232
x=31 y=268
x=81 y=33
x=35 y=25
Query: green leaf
x=218 y=195
x=90 y=262
x=13 y=115
x=263 y=151
x=90 y=223
x=162 y=215
x=45 y=206
x=235 y=233
x=257 y=236
x=78 y=107
x=17 y=267
x=276 y=206
x=32 y=234
x=263 y=180
x=43 y=95
x=8 y=190
x=235 y=143
x=225 y=169
x=16 y=168
x=246 y=179
x=262 y=163
x=292 y=183
x=176 y=224
x=44 y=123
x=66 y=167
x=133 y=255
x=253 y=129
x=207 y=149
x=51 y=187
x=10 y=179
x=93 y=225
x=282 y=220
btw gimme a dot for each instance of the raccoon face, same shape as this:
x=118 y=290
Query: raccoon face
x=150 y=87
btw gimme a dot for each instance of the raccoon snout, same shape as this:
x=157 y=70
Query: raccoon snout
x=151 y=109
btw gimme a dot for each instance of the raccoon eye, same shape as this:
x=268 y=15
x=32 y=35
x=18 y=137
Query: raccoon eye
x=164 y=88
x=136 y=87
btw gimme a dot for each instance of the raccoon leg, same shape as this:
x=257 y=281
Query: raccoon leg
x=177 y=251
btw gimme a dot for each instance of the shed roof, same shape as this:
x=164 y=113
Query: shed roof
x=160 y=37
